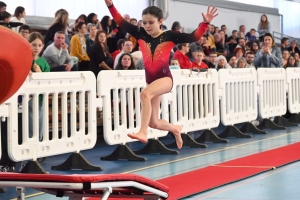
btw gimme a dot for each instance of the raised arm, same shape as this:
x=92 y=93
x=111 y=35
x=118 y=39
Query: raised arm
x=126 y=26
x=196 y=35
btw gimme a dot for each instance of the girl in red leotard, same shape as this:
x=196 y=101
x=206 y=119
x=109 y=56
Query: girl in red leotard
x=156 y=46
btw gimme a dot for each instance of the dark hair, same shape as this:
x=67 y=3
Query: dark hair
x=249 y=44
x=59 y=32
x=288 y=63
x=155 y=11
x=175 y=25
x=180 y=45
x=82 y=16
x=90 y=18
x=133 y=19
x=119 y=65
x=255 y=42
x=223 y=26
x=284 y=39
x=4 y=15
x=285 y=50
x=79 y=25
x=24 y=27
x=234 y=31
x=270 y=35
x=252 y=29
x=241 y=26
x=120 y=43
x=19 y=10
x=35 y=35
x=104 y=23
x=250 y=52
x=2 y=4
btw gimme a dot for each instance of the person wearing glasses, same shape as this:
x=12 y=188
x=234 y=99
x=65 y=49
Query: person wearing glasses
x=180 y=54
x=126 y=48
x=24 y=31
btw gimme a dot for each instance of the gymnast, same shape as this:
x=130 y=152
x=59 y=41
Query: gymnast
x=156 y=46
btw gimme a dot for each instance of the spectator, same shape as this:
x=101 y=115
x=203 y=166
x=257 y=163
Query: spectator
x=212 y=60
x=224 y=29
x=285 y=57
x=250 y=59
x=133 y=21
x=211 y=29
x=264 y=27
x=232 y=61
x=127 y=48
x=110 y=33
x=5 y=20
x=294 y=47
x=284 y=43
x=219 y=42
x=180 y=54
x=120 y=45
x=91 y=37
x=100 y=57
x=251 y=35
x=198 y=64
x=241 y=63
x=57 y=55
x=242 y=29
x=125 y=62
x=196 y=46
x=292 y=62
x=216 y=29
x=239 y=52
x=2 y=7
x=232 y=40
x=175 y=62
x=81 y=18
x=269 y=55
x=242 y=43
x=140 y=23
x=24 y=30
x=176 y=27
x=92 y=18
x=60 y=23
x=221 y=63
x=255 y=47
x=297 y=58
x=78 y=47
x=18 y=17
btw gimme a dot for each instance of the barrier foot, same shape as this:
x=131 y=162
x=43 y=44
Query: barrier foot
x=268 y=124
x=33 y=167
x=210 y=136
x=281 y=121
x=232 y=131
x=123 y=152
x=295 y=118
x=155 y=146
x=188 y=141
x=76 y=161
x=248 y=127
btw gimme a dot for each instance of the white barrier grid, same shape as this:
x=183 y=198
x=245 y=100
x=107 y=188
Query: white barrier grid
x=239 y=95
x=272 y=92
x=68 y=115
x=293 y=81
x=195 y=100
x=120 y=93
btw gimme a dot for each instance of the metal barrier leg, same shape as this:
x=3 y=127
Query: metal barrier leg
x=20 y=193
x=106 y=193
x=155 y=146
x=295 y=118
x=281 y=121
x=188 y=141
x=248 y=127
x=123 y=152
x=268 y=124
x=76 y=161
x=232 y=131
x=210 y=136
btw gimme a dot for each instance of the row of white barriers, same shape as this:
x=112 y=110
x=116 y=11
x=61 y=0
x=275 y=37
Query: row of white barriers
x=198 y=101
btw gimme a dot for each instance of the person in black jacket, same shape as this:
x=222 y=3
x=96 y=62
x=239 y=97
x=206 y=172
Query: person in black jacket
x=100 y=58
x=5 y=20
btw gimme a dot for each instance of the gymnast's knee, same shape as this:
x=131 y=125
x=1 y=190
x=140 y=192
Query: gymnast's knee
x=145 y=96
x=153 y=124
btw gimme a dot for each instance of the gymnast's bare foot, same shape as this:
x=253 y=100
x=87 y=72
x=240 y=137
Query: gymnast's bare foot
x=177 y=134
x=141 y=136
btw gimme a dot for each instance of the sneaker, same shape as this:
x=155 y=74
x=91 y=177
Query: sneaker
x=10 y=168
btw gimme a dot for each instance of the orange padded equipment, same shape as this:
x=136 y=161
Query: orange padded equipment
x=15 y=62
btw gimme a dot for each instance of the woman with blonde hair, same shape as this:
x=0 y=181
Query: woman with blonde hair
x=60 y=23
x=264 y=27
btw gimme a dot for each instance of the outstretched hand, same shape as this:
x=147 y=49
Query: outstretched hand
x=108 y=2
x=208 y=17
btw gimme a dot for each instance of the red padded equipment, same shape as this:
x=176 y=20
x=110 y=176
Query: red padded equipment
x=15 y=62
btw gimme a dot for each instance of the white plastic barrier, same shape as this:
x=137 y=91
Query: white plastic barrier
x=239 y=95
x=272 y=92
x=73 y=94
x=293 y=84
x=195 y=99
x=120 y=93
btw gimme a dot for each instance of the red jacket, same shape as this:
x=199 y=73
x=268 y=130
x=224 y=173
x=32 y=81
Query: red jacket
x=184 y=60
x=202 y=66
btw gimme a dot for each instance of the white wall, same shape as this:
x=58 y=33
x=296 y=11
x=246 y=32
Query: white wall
x=189 y=16
x=47 y=8
x=265 y=3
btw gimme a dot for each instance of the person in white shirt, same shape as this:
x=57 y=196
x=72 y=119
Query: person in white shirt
x=18 y=17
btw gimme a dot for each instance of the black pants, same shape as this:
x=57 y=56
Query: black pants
x=84 y=66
